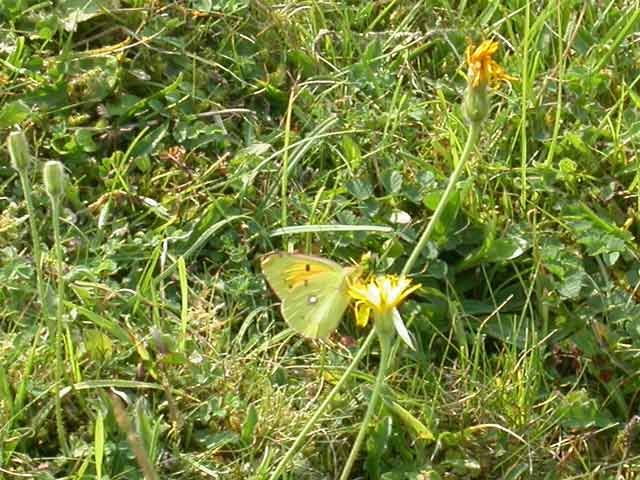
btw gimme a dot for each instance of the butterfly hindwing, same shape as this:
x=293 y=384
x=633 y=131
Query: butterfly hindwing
x=313 y=291
x=315 y=309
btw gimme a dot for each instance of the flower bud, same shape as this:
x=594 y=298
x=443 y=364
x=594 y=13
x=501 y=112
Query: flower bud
x=476 y=103
x=19 y=151
x=54 y=179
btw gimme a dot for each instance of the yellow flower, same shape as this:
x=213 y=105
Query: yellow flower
x=381 y=296
x=482 y=68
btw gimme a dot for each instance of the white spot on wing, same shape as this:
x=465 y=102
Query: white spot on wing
x=312 y=300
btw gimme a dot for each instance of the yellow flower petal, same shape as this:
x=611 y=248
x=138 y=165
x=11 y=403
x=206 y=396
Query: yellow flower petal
x=382 y=294
x=363 y=312
x=482 y=68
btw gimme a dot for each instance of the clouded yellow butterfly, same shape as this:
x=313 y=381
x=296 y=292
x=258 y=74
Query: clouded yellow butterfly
x=313 y=290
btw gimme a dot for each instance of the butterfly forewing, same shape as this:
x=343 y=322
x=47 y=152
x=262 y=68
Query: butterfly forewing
x=286 y=271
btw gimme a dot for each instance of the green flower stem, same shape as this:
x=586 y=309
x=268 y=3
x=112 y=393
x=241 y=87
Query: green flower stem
x=284 y=186
x=474 y=133
x=59 y=369
x=35 y=239
x=21 y=160
x=302 y=436
x=385 y=347
x=21 y=395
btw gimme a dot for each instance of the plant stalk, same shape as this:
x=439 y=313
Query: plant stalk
x=37 y=260
x=474 y=133
x=21 y=160
x=35 y=239
x=284 y=186
x=385 y=348
x=59 y=369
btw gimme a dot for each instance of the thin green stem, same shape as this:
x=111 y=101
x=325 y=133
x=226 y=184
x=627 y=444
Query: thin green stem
x=35 y=240
x=37 y=260
x=302 y=436
x=385 y=347
x=284 y=186
x=18 y=147
x=524 y=155
x=59 y=369
x=474 y=133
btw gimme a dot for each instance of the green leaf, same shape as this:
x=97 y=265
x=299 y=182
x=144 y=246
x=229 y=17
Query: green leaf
x=392 y=181
x=122 y=105
x=142 y=163
x=175 y=358
x=249 y=425
x=108 y=324
x=568 y=166
x=572 y=284
x=148 y=144
x=477 y=257
x=213 y=442
x=84 y=139
x=598 y=234
x=449 y=214
x=464 y=467
x=509 y=329
x=78 y=11
x=579 y=411
x=6 y=394
x=418 y=429
x=360 y=189
x=507 y=249
x=377 y=444
x=351 y=152
x=47 y=27
x=98 y=444
x=13 y=113
x=99 y=346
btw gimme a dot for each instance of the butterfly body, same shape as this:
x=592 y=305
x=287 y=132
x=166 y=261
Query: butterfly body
x=313 y=290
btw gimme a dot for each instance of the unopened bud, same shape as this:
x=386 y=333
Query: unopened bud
x=476 y=103
x=54 y=179
x=19 y=151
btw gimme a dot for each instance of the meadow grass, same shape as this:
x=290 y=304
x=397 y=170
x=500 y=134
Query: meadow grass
x=198 y=136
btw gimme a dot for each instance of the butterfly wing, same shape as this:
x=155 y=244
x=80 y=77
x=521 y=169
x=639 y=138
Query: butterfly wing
x=313 y=291
x=315 y=309
x=285 y=271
